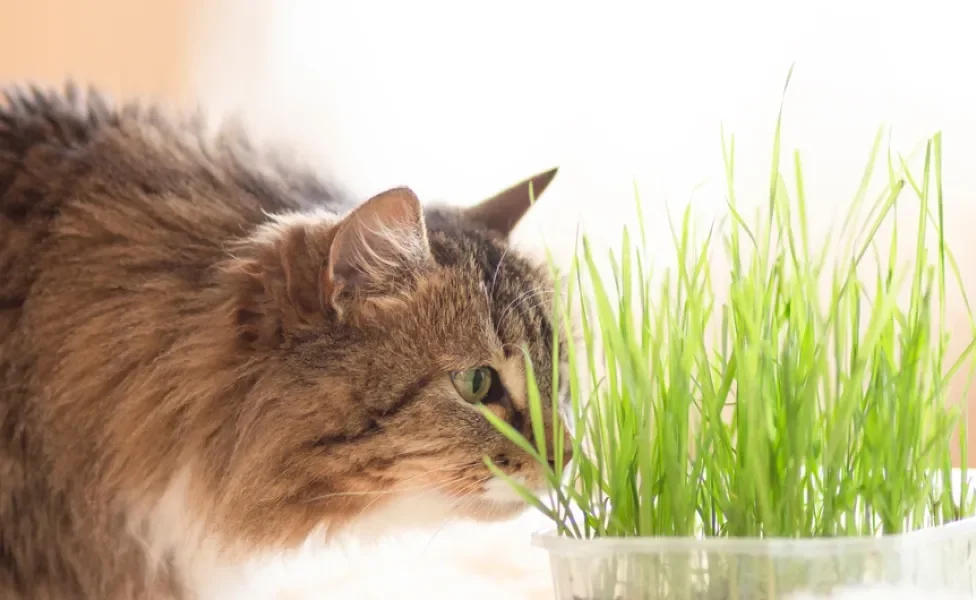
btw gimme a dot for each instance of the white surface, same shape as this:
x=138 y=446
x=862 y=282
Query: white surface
x=463 y=560
x=878 y=593
x=457 y=100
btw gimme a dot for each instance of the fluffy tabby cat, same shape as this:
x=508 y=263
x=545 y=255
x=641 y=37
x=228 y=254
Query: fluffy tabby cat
x=206 y=355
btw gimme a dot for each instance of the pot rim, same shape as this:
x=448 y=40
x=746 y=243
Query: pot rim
x=556 y=544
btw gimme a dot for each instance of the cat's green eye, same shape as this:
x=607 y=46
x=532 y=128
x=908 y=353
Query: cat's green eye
x=473 y=384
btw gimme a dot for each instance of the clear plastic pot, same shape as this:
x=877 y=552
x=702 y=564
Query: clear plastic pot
x=933 y=564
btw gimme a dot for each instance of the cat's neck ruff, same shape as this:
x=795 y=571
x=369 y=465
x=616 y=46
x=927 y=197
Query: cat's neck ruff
x=212 y=569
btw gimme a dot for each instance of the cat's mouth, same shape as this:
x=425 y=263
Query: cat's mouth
x=498 y=500
x=499 y=491
x=492 y=510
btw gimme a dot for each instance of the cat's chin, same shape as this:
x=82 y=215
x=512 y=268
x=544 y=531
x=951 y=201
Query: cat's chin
x=498 y=502
x=490 y=511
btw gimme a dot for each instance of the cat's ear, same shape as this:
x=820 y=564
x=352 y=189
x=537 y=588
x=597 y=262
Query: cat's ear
x=502 y=212
x=297 y=268
x=376 y=246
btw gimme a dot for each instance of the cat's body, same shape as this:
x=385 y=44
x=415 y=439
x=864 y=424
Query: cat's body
x=205 y=355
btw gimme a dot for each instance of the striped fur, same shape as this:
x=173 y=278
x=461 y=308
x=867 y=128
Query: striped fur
x=177 y=387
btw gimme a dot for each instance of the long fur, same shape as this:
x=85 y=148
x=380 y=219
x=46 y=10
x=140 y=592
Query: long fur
x=176 y=398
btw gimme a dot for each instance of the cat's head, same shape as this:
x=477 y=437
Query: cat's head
x=366 y=343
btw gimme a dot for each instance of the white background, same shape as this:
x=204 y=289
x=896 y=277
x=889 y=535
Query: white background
x=459 y=99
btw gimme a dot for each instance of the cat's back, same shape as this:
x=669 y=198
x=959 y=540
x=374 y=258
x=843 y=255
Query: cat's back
x=106 y=215
x=37 y=136
x=82 y=180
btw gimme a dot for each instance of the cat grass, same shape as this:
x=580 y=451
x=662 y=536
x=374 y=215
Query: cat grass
x=773 y=409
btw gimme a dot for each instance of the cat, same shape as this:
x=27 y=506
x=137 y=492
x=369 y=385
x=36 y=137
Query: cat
x=207 y=354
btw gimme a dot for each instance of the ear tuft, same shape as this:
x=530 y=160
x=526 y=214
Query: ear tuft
x=377 y=244
x=502 y=212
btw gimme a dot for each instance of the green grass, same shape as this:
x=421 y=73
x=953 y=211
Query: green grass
x=809 y=399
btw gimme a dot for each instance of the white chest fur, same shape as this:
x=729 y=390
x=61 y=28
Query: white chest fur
x=401 y=549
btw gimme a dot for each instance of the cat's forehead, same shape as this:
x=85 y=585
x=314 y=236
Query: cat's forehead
x=517 y=289
x=455 y=244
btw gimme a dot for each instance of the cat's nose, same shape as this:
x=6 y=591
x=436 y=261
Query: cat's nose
x=567 y=456
x=567 y=450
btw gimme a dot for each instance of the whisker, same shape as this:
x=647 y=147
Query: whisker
x=398 y=488
x=440 y=486
x=498 y=267
x=529 y=294
x=457 y=506
x=523 y=297
x=378 y=497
